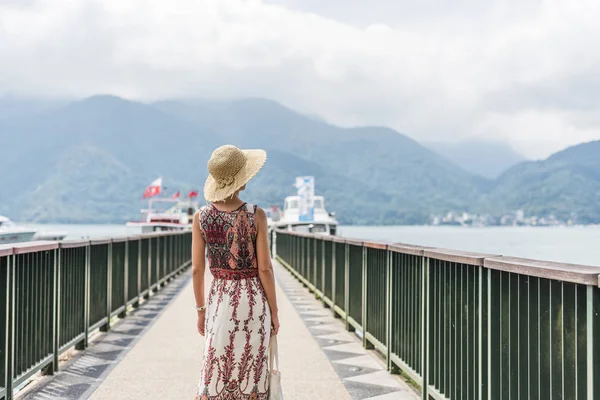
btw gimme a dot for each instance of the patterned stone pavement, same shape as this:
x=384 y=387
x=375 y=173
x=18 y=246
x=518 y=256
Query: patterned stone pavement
x=363 y=374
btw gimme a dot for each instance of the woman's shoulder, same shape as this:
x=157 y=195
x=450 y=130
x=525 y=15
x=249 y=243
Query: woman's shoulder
x=203 y=211
x=260 y=215
x=260 y=212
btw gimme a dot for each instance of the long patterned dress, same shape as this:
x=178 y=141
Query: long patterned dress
x=238 y=320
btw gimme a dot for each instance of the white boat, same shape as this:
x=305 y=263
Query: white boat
x=168 y=215
x=304 y=212
x=12 y=233
x=50 y=235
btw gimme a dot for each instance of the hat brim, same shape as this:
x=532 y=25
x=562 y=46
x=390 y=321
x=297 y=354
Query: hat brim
x=255 y=160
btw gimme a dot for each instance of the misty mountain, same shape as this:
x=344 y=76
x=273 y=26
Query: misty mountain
x=480 y=157
x=14 y=107
x=368 y=175
x=381 y=158
x=90 y=160
x=567 y=184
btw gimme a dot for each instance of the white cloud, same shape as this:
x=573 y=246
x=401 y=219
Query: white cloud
x=509 y=70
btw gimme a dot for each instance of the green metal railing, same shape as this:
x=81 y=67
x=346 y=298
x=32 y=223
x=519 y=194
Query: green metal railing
x=53 y=295
x=460 y=325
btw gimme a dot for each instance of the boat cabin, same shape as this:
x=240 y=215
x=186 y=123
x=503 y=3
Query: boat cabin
x=320 y=221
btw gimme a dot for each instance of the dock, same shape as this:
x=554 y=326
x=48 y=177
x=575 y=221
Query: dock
x=113 y=318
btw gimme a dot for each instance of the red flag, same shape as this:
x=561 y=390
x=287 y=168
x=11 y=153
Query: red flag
x=192 y=194
x=175 y=195
x=154 y=189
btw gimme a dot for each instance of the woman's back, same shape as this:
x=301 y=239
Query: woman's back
x=230 y=238
x=235 y=363
x=239 y=314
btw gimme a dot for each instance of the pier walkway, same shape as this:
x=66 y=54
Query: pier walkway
x=165 y=362
x=111 y=319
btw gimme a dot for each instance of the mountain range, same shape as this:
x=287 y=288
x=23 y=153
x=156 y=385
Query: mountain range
x=480 y=157
x=90 y=160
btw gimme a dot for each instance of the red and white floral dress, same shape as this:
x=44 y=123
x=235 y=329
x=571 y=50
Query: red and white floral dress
x=238 y=320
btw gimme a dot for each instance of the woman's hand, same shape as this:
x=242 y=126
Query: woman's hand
x=274 y=323
x=201 y=322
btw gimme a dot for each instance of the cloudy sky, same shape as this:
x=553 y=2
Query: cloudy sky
x=523 y=71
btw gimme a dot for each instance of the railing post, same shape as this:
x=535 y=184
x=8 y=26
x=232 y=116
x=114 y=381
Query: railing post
x=305 y=250
x=149 y=268
x=106 y=327
x=388 y=309
x=488 y=283
x=323 y=266
x=158 y=264
x=171 y=253
x=164 y=260
x=299 y=249
x=123 y=313
x=333 y=278
x=136 y=303
x=86 y=300
x=480 y=335
x=10 y=326
x=55 y=335
x=349 y=327
x=314 y=263
x=589 y=341
x=364 y=296
x=425 y=312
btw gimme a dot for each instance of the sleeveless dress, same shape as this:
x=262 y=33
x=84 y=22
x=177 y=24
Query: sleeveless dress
x=238 y=319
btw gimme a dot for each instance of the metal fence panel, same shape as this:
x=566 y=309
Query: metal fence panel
x=4 y=276
x=340 y=276
x=53 y=296
x=329 y=267
x=355 y=280
x=406 y=317
x=133 y=270
x=318 y=267
x=144 y=264
x=99 y=265
x=464 y=325
x=33 y=300
x=118 y=264
x=377 y=294
x=71 y=294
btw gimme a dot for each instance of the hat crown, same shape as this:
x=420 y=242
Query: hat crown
x=226 y=161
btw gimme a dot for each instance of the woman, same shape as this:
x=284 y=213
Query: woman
x=240 y=314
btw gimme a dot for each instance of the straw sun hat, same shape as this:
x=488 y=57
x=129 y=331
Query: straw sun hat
x=229 y=169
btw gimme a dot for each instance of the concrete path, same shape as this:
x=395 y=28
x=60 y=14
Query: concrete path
x=165 y=362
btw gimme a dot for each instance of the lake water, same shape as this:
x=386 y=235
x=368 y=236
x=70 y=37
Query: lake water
x=579 y=245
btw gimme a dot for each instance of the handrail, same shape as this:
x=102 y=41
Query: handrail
x=6 y=250
x=24 y=248
x=79 y=286
x=103 y=240
x=461 y=257
x=575 y=273
x=69 y=244
x=459 y=324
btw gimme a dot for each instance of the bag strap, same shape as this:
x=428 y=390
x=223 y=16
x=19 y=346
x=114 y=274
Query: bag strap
x=273 y=353
x=250 y=208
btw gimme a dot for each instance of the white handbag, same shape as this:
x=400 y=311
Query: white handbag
x=275 y=392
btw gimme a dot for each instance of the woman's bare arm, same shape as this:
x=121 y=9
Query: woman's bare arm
x=198 y=268
x=265 y=268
